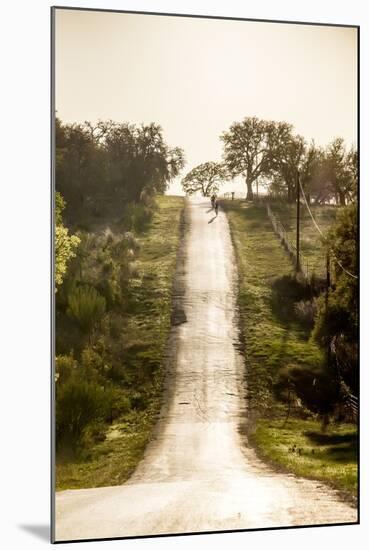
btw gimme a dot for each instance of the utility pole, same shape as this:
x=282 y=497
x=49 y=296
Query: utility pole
x=328 y=275
x=298 y=267
x=328 y=284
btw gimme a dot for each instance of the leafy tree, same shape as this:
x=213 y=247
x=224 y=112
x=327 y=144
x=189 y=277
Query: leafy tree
x=102 y=167
x=288 y=156
x=65 y=244
x=315 y=186
x=251 y=148
x=140 y=162
x=352 y=160
x=205 y=178
x=336 y=327
x=80 y=169
x=339 y=169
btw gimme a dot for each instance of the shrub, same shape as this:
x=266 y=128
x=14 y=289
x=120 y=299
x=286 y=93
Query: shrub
x=295 y=299
x=117 y=403
x=286 y=291
x=139 y=216
x=65 y=366
x=78 y=403
x=306 y=311
x=337 y=323
x=318 y=388
x=94 y=433
x=92 y=365
x=291 y=287
x=65 y=244
x=86 y=307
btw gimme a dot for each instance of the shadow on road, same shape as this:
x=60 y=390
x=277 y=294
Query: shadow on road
x=212 y=219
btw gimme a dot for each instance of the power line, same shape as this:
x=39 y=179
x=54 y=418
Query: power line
x=321 y=233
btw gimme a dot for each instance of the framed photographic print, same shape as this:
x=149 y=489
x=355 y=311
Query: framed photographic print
x=205 y=375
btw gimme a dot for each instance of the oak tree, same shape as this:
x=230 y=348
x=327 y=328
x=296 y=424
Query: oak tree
x=251 y=148
x=205 y=178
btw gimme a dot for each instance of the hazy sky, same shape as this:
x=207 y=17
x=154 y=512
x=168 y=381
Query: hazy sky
x=196 y=76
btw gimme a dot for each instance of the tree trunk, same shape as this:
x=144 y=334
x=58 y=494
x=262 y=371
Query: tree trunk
x=289 y=192
x=250 y=194
x=342 y=198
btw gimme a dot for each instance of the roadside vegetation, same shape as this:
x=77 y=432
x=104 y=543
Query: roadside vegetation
x=117 y=250
x=300 y=334
x=274 y=335
x=301 y=447
x=313 y=249
x=291 y=393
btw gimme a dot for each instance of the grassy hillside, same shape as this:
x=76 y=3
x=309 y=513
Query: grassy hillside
x=273 y=338
x=119 y=447
x=302 y=448
x=310 y=241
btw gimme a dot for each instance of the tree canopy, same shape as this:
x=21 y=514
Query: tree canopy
x=269 y=151
x=205 y=178
x=337 y=323
x=251 y=148
x=102 y=165
x=65 y=244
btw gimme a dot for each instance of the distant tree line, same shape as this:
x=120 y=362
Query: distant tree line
x=107 y=177
x=269 y=152
x=103 y=167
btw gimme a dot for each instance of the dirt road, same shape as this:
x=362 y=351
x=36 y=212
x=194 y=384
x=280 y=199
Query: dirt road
x=198 y=474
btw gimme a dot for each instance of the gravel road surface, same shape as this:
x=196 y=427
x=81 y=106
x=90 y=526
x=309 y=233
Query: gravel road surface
x=198 y=473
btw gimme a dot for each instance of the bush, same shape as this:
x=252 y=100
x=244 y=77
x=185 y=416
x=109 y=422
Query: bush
x=86 y=306
x=306 y=311
x=286 y=291
x=337 y=323
x=139 y=216
x=94 y=433
x=117 y=403
x=65 y=244
x=92 y=365
x=65 y=366
x=78 y=403
x=291 y=287
x=317 y=388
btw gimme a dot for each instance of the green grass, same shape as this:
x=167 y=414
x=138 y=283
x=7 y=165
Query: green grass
x=112 y=460
x=302 y=448
x=271 y=341
x=312 y=247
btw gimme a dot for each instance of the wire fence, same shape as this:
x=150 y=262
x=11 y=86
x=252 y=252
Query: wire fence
x=335 y=259
x=234 y=195
x=350 y=401
x=287 y=242
x=307 y=267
